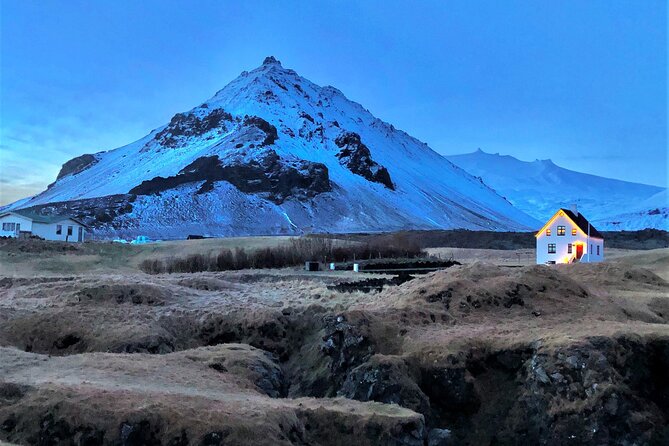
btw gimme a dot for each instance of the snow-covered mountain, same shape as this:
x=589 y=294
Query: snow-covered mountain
x=540 y=187
x=652 y=212
x=273 y=153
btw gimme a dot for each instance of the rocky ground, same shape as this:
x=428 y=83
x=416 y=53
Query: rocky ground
x=476 y=354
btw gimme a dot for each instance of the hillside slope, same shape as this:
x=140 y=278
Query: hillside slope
x=540 y=187
x=273 y=153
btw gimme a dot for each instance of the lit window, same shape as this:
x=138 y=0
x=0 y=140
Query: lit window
x=573 y=231
x=548 y=232
x=59 y=229
x=561 y=230
x=551 y=248
x=569 y=248
x=69 y=230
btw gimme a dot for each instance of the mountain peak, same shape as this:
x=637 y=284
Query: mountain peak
x=271 y=60
x=272 y=152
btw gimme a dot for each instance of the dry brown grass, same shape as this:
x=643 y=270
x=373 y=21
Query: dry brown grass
x=78 y=327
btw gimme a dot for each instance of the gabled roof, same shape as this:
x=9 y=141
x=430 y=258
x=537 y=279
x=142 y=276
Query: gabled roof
x=46 y=219
x=579 y=220
x=583 y=223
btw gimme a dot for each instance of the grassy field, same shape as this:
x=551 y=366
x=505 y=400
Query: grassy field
x=34 y=257
x=93 y=348
x=48 y=258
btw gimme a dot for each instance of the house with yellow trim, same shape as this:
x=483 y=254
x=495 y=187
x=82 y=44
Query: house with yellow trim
x=568 y=237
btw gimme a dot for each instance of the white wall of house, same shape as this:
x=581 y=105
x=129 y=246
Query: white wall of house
x=592 y=248
x=9 y=222
x=65 y=230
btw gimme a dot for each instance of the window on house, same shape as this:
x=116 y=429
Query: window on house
x=573 y=231
x=9 y=226
x=59 y=229
x=551 y=248
x=569 y=248
x=597 y=249
x=548 y=232
x=69 y=230
x=561 y=230
x=590 y=247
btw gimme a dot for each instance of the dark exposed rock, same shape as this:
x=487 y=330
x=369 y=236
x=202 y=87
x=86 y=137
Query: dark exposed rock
x=10 y=393
x=307 y=116
x=66 y=341
x=184 y=125
x=95 y=212
x=279 y=84
x=8 y=425
x=179 y=440
x=348 y=345
x=440 y=437
x=451 y=392
x=76 y=165
x=138 y=433
x=216 y=438
x=154 y=344
x=53 y=431
x=271 y=134
x=358 y=159
x=270 y=60
x=266 y=375
x=620 y=387
x=409 y=432
x=269 y=174
x=369 y=285
x=386 y=380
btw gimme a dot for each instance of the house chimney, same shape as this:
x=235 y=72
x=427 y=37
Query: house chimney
x=574 y=209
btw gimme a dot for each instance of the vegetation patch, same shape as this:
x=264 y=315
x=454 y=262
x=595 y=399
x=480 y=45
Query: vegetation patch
x=295 y=252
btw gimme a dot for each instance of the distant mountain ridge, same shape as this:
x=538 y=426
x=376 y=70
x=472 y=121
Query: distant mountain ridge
x=540 y=187
x=273 y=153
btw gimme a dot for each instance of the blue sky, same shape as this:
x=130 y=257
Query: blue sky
x=581 y=82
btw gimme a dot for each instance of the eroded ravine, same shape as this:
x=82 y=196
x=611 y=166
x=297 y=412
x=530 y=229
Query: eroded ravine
x=471 y=356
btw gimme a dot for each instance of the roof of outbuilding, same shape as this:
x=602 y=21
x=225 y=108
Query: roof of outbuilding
x=46 y=219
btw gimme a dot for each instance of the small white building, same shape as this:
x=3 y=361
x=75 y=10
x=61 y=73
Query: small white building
x=21 y=224
x=568 y=237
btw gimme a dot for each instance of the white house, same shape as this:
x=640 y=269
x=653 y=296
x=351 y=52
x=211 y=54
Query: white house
x=53 y=227
x=569 y=237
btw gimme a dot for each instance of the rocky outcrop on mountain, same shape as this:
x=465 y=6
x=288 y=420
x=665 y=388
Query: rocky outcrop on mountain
x=94 y=212
x=270 y=131
x=185 y=125
x=76 y=165
x=358 y=159
x=267 y=174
